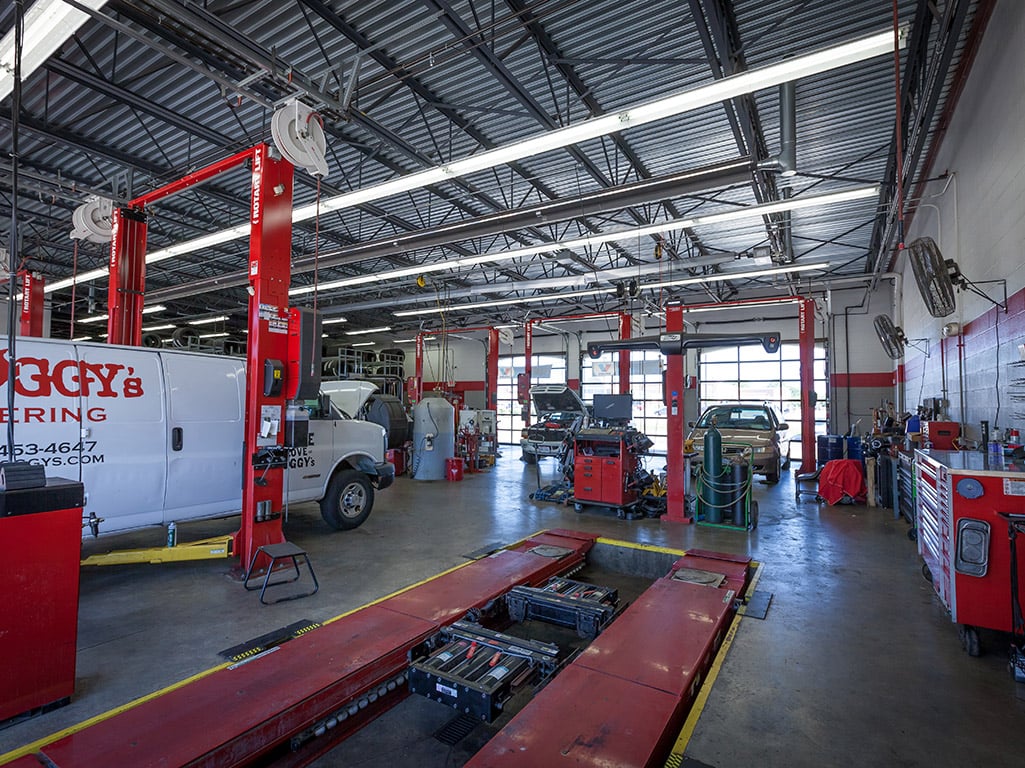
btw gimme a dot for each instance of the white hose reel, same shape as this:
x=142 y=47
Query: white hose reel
x=92 y=220
x=299 y=136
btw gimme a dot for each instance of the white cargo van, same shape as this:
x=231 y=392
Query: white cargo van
x=156 y=436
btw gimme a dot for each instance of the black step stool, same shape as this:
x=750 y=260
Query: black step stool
x=280 y=552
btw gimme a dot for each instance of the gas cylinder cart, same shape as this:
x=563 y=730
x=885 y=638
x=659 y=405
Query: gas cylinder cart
x=724 y=484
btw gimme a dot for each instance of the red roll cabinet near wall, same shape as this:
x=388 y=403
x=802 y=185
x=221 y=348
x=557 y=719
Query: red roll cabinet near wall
x=962 y=537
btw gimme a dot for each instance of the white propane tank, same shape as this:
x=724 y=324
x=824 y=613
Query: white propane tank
x=434 y=438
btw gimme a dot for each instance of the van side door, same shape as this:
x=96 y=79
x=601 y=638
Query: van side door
x=123 y=398
x=203 y=439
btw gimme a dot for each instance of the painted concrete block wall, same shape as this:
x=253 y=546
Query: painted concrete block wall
x=862 y=376
x=977 y=217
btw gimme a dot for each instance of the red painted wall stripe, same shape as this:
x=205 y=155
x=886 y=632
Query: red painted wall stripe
x=880 y=379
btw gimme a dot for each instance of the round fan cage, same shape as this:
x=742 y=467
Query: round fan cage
x=890 y=336
x=933 y=276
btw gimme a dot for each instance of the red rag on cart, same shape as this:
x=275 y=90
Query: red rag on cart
x=842 y=477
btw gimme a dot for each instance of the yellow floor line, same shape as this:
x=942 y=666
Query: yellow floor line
x=643 y=547
x=676 y=754
x=28 y=749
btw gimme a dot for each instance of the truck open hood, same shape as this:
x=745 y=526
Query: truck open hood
x=348 y=396
x=549 y=398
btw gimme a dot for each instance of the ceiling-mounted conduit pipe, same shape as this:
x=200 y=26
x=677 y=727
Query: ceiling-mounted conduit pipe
x=718 y=175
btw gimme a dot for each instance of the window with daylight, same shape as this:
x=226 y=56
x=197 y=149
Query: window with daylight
x=545 y=369
x=749 y=374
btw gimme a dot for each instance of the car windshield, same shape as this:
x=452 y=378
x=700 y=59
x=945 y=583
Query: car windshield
x=738 y=417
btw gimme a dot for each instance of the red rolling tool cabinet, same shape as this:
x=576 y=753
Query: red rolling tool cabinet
x=41 y=529
x=963 y=538
x=603 y=464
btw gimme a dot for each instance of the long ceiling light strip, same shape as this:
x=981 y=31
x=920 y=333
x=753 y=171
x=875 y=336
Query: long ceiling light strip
x=48 y=24
x=503 y=302
x=718 y=277
x=696 y=98
x=734 y=305
x=658 y=109
x=765 y=209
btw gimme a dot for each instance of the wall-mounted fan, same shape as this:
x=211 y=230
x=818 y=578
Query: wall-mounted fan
x=893 y=339
x=299 y=136
x=937 y=278
x=92 y=220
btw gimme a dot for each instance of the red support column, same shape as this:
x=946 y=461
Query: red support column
x=417 y=391
x=806 y=345
x=269 y=276
x=676 y=506
x=492 y=370
x=126 y=292
x=31 y=323
x=624 y=355
x=528 y=352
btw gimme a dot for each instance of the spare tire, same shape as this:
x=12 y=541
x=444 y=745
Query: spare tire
x=387 y=411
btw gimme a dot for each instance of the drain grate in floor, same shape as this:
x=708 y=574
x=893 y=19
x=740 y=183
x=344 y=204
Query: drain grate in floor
x=456 y=729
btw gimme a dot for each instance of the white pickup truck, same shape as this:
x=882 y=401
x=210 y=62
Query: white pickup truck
x=156 y=436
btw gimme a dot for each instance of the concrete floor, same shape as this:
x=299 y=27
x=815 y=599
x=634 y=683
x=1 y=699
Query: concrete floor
x=856 y=663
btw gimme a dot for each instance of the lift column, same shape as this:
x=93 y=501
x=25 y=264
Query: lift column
x=127 y=288
x=624 y=355
x=676 y=507
x=492 y=370
x=31 y=322
x=806 y=345
x=269 y=274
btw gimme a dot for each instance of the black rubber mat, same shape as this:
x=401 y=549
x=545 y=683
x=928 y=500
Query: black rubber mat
x=456 y=729
x=275 y=637
x=484 y=551
x=758 y=605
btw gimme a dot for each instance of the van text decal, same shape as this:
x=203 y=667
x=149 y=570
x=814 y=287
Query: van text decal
x=36 y=377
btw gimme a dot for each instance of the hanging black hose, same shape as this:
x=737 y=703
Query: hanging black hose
x=19 y=23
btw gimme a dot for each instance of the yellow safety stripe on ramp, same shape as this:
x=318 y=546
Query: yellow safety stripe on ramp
x=676 y=755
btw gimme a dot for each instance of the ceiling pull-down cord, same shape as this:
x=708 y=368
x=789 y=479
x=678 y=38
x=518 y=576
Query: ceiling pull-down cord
x=74 y=276
x=899 y=140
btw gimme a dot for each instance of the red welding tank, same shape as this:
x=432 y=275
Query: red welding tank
x=396 y=456
x=454 y=469
x=941 y=434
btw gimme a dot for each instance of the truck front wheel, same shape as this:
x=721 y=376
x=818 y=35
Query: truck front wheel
x=348 y=500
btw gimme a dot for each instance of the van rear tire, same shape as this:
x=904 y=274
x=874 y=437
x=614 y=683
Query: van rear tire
x=348 y=500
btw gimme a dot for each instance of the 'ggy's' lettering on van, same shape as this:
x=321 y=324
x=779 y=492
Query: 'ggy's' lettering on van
x=71 y=378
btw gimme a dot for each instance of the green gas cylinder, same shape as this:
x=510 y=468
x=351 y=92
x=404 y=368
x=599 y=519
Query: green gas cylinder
x=713 y=496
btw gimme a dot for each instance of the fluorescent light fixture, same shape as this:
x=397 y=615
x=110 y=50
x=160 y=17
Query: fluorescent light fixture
x=590 y=241
x=382 y=329
x=736 y=305
x=208 y=320
x=82 y=338
x=719 y=277
x=404 y=341
x=333 y=320
x=164 y=327
x=145 y=311
x=213 y=335
x=48 y=24
x=365 y=344
x=718 y=91
x=676 y=104
x=502 y=302
x=500 y=327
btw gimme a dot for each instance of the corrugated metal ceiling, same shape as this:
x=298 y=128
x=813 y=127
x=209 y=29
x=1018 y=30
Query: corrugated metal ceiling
x=138 y=97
